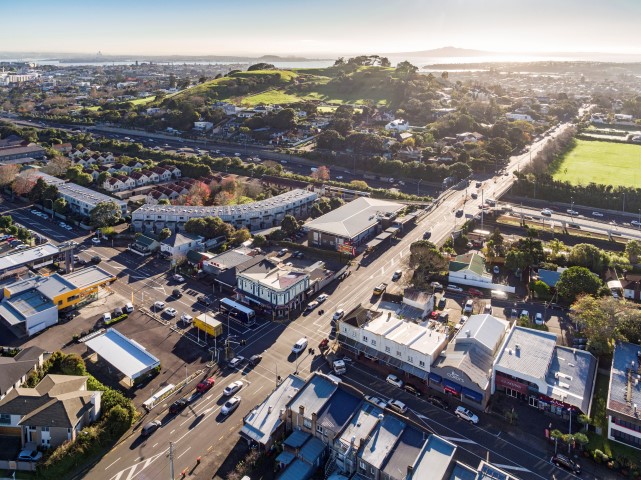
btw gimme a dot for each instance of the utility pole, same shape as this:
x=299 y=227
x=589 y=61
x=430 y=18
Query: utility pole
x=171 y=460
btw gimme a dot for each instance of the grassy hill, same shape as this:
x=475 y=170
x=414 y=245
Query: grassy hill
x=337 y=85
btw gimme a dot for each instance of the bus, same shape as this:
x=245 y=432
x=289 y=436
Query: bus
x=240 y=312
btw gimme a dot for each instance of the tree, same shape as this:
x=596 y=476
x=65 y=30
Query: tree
x=406 y=69
x=460 y=170
x=259 y=240
x=598 y=327
x=359 y=184
x=164 y=201
x=60 y=206
x=57 y=166
x=102 y=178
x=425 y=255
x=336 y=202
x=164 y=234
x=588 y=256
x=633 y=251
x=72 y=364
x=105 y=214
x=241 y=235
x=198 y=194
x=289 y=225
x=261 y=66
x=208 y=227
x=575 y=281
x=284 y=119
x=321 y=173
x=316 y=211
x=8 y=174
x=330 y=140
x=22 y=184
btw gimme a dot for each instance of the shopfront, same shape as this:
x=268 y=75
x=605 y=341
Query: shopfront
x=455 y=383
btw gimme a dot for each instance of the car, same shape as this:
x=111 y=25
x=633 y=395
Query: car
x=205 y=385
x=29 y=455
x=68 y=227
x=176 y=293
x=434 y=315
x=496 y=270
x=409 y=388
x=475 y=292
x=546 y=212
x=454 y=288
x=299 y=346
x=459 y=212
x=171 y=312
x=487 y=309
x=117 y=311
x=22 y=247
x=205 y=300
x=282 y=252
x=177 y=277
x=311 y=306
x=187 y=319
x=427 y=235
x=322 y=297
x=394 y=380
x=35 y=212
x=436 y=286
x=376 y=401
x=636 y=223
x=525 y=313
x=255 y=360
x=340 y=313
x=380 y=288
x=339 y=177
x=443 y=317
x=95 y=241
x=129 y=307
x=232 y=388
x=565 y=462
x=230 y=405
x=62 y=224
x=397 y=406
x=469 y=306
x=106 y=317
x=438 y=402
x=572 y=212
x=178 y=406
x=289 y=264
x=597 y=214
x=442 y=302
x=96 y=259
x=538 y=318
x=466 y=414
x=463 y=319
x=236 y=361
x=159 y=305
x=478 y=184
x=397 y=274
x=474 y=195
x=150 y=428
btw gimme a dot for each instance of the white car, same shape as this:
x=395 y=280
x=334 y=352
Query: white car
x=311 y=306
x=340 y=177
x=340 y=313
x=538 y=319
x=232 y=388
x=547 y=212
x=376 y=401
x=186 y=318
x=525 y=313
x=35 y=212
x=29 y=455
x=394 y=380
x=95 y=241
x=106 y=317
x=636 y=223
x=68 y=227
x=230 y=405
x=465 y=414
x=236 y=361
x=397 y=406
x=597 y=214
x=159 y=305
x=574 y=213
x=170 y=312
x=454 y=288
x=469 y=305
x=322 y=297
x=178 y=278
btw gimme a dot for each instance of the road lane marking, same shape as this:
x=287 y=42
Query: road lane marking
x=188 y=448
x=511 y=467
x=452 y=439
x=111 y=464
x=154 y=445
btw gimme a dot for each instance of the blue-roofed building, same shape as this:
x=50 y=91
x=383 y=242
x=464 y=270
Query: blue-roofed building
x=381 y=444
x=335 y=414
x=309 y=401
x=435 y=461
x=405 y=453
x=549 y=277
x=303 y=454
x=266 y=423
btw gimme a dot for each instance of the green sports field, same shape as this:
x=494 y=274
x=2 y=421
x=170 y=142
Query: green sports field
x=604 y=163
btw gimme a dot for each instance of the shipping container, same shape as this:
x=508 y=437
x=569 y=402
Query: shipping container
x=208 y=324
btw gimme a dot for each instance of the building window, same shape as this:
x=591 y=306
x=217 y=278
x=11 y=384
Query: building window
x=387 y=350
x=410 y=359
x=365 y=339
x=421 y=363
x=5 y=419
x=319 y=429
x=398 y=353
x=44 y=429
x=362 y=465
x=373 y=342
x=307 y=423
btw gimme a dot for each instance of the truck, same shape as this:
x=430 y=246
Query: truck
x=337 y=365
x=379 y=289
x=208 y=324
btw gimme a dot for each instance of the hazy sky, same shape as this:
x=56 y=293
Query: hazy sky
x=256 y=27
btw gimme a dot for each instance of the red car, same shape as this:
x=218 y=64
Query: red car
x=434 y=315
x=474 y=292
x=205 y=385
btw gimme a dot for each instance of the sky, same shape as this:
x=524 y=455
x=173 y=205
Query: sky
x=319 y=28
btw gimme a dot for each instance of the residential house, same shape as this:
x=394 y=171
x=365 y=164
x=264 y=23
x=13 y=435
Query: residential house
x=519 y=116
x=203 y=126
x=62 y=147
x=173 y=169
x=52 y=413
x=14 y=370
x=144 y=245
x=471 y=137
x=164 y=175
x=179 y=244
x=469 y=269
x=114 y=184
x=152 y=176
x=154 y=197
x=624 y=395
x=398 y=125
x=140 y=178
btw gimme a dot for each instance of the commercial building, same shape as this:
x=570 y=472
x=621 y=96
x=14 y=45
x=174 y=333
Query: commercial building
x=275 y=289
x=254 y=216
x=37 y=257
x=52 y=413
x=81 y=200
x=553 y=378
x=32 y=305
x=12 y=153
x=464 y=368
x=624 y=395
x=130 y=358
x=352 y=224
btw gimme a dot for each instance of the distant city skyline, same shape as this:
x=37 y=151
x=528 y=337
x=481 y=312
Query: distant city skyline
x=328 y=28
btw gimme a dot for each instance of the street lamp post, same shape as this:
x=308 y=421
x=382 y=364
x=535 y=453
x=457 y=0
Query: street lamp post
x=570 y=432
x=418 y=188
x=639 y=219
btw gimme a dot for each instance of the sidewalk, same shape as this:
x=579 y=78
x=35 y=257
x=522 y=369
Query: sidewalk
x=530 y=427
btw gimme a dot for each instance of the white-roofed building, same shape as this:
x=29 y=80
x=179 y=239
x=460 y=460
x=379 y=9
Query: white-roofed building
x=464 y=368
x=353 y=223
x=532 y=367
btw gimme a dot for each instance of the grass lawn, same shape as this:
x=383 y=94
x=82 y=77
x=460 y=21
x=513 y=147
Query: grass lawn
x=269 y=97
x=143 y=101
x=604 y=163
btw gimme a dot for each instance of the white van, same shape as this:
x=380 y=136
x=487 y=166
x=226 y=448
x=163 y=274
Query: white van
x=299 y=346
x=487 y=309
x=129 y=307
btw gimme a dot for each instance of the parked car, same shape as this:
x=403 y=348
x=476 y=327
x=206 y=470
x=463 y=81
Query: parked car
x=171 y=312
x=438 y=402
x=322 y=297
x=376 y=401
x=397 y=406
x=106 y=317
x=454 y=288
x=205 y=300
x=176 y=293
x=434 y=315
x=436 y=286
x=230 y=405
x=95 y=240
x=29 y=455
x=397 y=274
x=129 y=307
x=311 y=306
x=150 y=428
x=117 y=311
x=394 y=380
x=96 y=259
x=525 y=313
x=442 y=302
x=466 y=414
x=178 y=406
x=496 y=270
x=232 y=388
x=409 y=388
x=186 y=319
x=469 y=305
x=255 y=360
x=178 y=278
x=282 y=252
x=205 y=385
x=567 y=463
x=475 y=292
x=237 y=361
x=538 y=318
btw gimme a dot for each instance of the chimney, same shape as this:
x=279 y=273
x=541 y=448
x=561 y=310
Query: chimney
x=352 y=441
x=410 y=470
x=301 y=409
x=517 y=347
x=314 y=418
x=269 y=409
x=468 y=334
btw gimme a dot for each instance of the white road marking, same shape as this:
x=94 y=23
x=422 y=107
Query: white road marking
x=510 y=467
x=188 y=448
x=111 y=464
x=459 y=440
